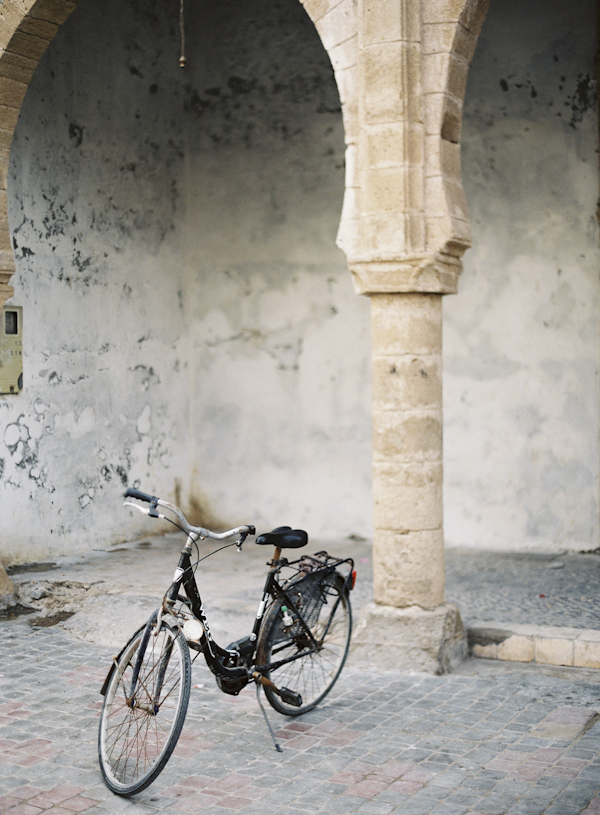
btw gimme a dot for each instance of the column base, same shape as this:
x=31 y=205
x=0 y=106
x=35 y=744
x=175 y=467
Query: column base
x=412 y=638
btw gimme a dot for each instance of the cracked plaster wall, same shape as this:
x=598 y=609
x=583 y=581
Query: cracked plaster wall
x=190 y=326
x=521 y=397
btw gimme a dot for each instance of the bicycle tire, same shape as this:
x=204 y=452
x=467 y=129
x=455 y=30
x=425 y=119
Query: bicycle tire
x=314 y=674
x=135 y=741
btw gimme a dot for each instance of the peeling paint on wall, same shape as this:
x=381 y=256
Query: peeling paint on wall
x=191 y=326
x=522 y=338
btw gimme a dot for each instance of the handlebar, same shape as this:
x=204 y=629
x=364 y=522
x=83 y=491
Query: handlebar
x=195 y=531
x=131 y=492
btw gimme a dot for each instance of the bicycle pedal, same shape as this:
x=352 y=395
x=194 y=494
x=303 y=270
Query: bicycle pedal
x=290 y=697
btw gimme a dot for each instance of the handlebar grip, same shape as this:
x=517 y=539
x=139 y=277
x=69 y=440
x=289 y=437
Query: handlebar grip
x=131 y=492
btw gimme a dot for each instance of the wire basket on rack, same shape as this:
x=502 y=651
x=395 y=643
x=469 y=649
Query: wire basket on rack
x=308 y=593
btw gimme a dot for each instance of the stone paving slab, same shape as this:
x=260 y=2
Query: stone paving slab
x=493 y=738
x=536 y=588
x=528 y=607
x=120 y=586
x=546 y=645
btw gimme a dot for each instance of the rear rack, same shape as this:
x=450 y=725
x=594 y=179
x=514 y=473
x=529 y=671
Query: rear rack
x=323 y=561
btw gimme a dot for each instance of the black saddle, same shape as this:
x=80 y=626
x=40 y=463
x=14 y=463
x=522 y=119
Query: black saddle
x=284 y=537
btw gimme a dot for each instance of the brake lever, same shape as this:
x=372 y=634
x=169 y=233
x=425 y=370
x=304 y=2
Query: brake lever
x=144 y=510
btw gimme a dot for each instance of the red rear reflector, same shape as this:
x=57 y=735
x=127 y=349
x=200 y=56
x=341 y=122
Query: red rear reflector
x=353 y=579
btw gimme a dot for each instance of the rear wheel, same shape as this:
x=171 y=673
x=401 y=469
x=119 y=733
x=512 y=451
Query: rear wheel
x=309 y=667
x=138 y=733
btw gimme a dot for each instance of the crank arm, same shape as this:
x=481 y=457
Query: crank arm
x=288 y=696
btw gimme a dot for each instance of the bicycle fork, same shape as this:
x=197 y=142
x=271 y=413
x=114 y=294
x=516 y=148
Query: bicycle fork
x=130 y=698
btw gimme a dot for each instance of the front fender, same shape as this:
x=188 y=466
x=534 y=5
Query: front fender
x=116 y=659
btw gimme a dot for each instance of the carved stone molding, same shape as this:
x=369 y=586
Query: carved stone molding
x=401 y=69
x=420 y=273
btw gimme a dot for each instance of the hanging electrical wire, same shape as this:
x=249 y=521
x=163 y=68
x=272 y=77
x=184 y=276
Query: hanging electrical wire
x=182 y=59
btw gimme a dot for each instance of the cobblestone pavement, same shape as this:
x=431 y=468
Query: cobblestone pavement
x=534 y=588
x=490 y=739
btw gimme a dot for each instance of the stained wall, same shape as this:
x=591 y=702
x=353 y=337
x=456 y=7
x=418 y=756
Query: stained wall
x=190 y=326
x=521 y=339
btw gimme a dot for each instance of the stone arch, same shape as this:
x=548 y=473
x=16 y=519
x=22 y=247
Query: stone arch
x=26 y=29
x=400 y=69
x=534 y=234
x=449 y=47
x=404 y=199
x=28 y=26
x=64 y=71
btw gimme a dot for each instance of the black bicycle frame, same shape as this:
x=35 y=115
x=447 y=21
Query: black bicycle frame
x=217 y=657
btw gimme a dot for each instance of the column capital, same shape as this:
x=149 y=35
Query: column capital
x=422 y=273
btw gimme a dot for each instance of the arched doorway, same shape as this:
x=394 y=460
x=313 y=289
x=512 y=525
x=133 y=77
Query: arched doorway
x=175 y=238
x=401 y=69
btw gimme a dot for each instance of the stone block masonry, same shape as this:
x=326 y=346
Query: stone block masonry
x=546 y=645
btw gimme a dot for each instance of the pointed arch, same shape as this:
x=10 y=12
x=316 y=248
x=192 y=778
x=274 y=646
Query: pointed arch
x=404 y=202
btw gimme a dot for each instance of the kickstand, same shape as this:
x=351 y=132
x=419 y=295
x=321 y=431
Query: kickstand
x=264 y=712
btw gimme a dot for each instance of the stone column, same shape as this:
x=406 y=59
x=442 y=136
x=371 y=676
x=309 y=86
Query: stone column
x=408 y=625
x=405 y=265
x=408 y=546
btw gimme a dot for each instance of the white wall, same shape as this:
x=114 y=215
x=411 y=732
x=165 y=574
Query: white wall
x=190 y=326
x=521 y=339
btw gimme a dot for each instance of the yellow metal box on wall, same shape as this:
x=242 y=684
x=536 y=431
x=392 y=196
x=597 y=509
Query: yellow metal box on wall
x=11 y=349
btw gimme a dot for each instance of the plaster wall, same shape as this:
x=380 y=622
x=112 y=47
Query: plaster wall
x=521 y=339
x=190 y=326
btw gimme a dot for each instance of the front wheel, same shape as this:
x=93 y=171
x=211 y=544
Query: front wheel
x=305 y=665
x=139 y=729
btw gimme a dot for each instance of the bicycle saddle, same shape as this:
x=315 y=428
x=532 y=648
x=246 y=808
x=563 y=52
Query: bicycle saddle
x=284 y=537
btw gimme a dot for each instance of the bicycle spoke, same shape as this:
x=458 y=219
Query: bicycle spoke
x=137 y=735
x=308 y=671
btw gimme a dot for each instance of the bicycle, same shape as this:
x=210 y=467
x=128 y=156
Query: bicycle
x=299 y=640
